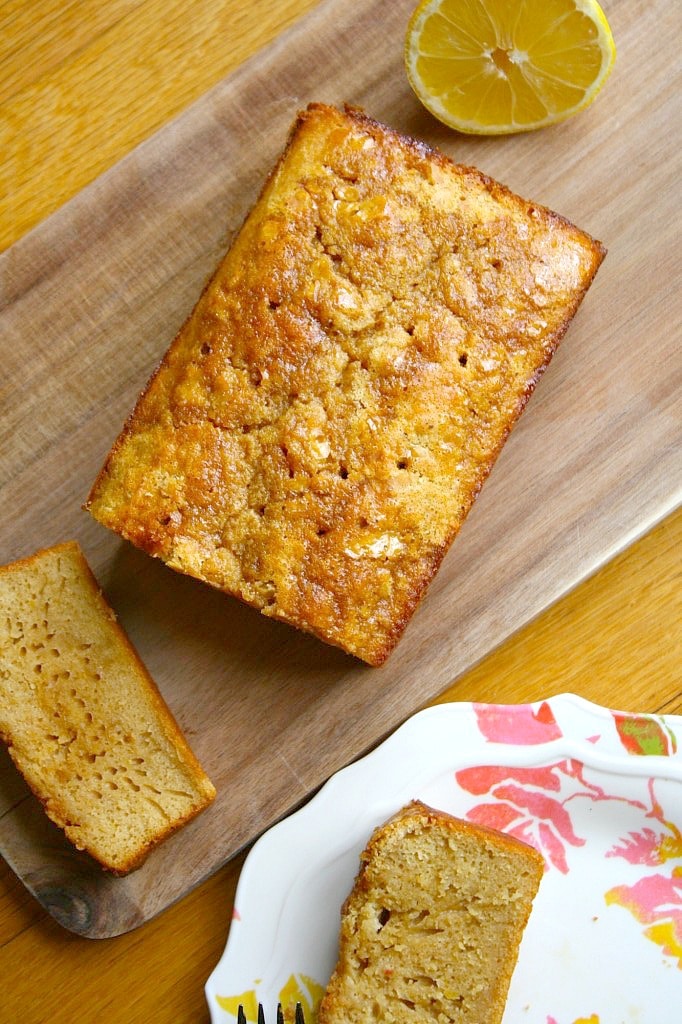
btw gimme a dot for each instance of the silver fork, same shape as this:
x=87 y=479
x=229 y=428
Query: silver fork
x=299 y=1018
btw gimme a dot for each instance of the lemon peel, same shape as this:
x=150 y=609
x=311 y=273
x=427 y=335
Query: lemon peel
x=491 y=67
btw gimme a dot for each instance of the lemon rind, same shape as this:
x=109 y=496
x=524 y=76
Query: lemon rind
x=473 y=127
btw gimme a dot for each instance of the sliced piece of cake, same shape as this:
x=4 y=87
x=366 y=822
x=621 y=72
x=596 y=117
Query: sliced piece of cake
x=317 y=432
x=83 y=720
x=431 y=930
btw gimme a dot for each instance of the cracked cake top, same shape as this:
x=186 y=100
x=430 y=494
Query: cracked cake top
x=321 y=425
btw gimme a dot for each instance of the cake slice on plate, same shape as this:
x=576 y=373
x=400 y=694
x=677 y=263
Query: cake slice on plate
x=431 y=929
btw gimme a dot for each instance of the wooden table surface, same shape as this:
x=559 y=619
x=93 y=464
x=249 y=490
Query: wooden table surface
x=81 y=83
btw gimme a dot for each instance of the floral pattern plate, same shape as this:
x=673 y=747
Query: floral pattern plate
x=598 y=792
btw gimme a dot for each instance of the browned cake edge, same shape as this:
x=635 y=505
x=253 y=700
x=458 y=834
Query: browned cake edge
x=126 y=429
x=432 y=815
x=495 y=188
x=165 y=717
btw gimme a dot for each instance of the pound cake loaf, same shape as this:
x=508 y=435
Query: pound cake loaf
x=432 y=928
x=83 y=720
x=318 y=430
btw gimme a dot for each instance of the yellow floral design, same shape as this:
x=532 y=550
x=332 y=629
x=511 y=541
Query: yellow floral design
x=299 y=988
x=248 y=1000
x=304 y=990
x=671 y=845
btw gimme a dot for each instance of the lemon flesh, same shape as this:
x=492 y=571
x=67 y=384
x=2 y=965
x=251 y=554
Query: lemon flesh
x=493 y=67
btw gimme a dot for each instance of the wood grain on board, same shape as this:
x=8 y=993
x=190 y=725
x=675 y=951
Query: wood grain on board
x=90 y=300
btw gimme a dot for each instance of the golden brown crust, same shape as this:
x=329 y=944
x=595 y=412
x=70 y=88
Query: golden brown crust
x=317 y=432
x=83 y=720
x=424 y=815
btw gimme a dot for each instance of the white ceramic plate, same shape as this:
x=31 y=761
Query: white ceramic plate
x=598 y=792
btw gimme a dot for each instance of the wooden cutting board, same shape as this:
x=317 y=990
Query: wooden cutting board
x=91 y=299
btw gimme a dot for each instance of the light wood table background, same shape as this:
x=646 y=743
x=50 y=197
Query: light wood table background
x=81 y=83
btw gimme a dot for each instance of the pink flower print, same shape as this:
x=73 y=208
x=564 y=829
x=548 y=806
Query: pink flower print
x=552 y=847
x=523 y=807
x=650 y=847
x=655 y=901
x=517 y=723
x=639 y=848
x=484 y=778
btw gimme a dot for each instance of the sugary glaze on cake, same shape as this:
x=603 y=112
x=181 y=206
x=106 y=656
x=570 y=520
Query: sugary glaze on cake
x=318 y=430
x=431 y=929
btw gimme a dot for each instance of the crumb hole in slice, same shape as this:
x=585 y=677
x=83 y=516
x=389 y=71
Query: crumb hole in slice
x=384 y=917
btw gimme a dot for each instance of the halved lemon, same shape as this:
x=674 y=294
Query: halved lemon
x=498 y=66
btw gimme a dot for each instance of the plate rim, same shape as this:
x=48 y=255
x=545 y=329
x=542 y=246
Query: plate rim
x=443 y=714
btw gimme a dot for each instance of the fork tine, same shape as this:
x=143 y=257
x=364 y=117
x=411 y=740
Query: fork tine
x=299 y=1018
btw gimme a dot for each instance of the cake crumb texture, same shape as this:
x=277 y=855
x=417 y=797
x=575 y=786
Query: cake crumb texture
x=83 y=720
x=431 y=930
x=320 y=427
